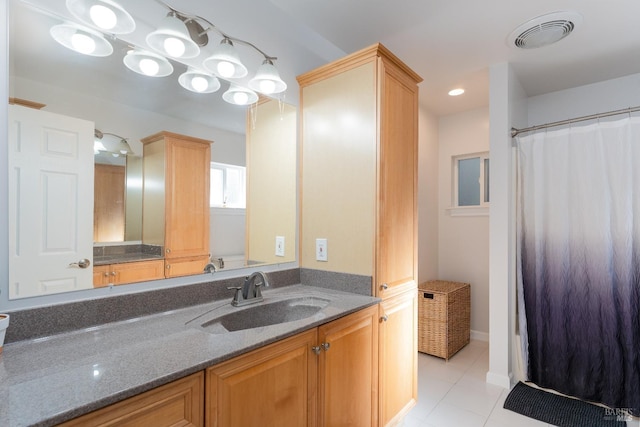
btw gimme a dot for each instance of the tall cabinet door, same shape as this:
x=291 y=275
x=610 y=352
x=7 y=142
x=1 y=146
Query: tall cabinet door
x=396 y=254
x=188 y=165
x=398 y=357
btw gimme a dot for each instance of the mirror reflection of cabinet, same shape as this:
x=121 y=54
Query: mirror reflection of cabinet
x=108 y=203
x=175 y=213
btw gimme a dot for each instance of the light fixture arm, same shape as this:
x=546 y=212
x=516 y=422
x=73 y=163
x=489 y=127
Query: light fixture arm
x=211 y=27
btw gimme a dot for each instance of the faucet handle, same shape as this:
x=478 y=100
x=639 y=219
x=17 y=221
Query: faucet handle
x=236 y=294
x=258 y=291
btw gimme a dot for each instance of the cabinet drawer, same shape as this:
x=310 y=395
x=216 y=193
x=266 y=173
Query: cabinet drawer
x=179 y=403
x=185 y=266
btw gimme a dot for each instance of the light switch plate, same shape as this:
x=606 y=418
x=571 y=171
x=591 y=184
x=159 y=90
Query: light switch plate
x=321 y=250
x=279 y=245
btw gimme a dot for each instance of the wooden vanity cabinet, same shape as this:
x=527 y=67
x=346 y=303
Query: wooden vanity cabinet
x=127 y=272
x=398 y=381
x=176 y=192
x=360 y=122
x=326 y=376
x=177 y=404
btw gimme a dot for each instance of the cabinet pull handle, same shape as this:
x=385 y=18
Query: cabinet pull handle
x=168 y=250
x=384 y=287
x=106 y=274
x=168 y=266
x=113 y=273
x=325 y=346
x=384 y=318
x=316 y=349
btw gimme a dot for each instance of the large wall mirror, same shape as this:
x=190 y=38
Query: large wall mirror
x=113 y=103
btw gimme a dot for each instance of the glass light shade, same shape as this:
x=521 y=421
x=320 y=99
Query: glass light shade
x=147 y=63
x=239 y=96
x=81 y=40
x=172 y=39
x=105 y=15
x=267 y=79
x=225 y=62
x=199 y=82
x=123 y=147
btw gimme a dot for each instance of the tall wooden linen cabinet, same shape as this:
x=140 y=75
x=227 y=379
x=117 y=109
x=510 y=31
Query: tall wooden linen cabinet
x=175 y=206
x=359 y=191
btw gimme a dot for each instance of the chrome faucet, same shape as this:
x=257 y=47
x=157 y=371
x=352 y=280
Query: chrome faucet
x=250 y=292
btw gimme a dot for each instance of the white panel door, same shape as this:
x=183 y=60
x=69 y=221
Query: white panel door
x=50 y=202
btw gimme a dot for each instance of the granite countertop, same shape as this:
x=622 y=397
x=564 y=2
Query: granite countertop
x=122 y=258
x=50 y=380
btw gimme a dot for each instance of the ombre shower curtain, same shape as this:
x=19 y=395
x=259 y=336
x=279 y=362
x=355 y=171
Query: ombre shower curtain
x=579 y=260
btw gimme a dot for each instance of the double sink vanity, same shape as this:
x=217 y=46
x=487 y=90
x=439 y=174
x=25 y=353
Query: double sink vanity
x=208 y=364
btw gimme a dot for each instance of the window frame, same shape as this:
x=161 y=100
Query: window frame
x=225 y=167
x=483 y=185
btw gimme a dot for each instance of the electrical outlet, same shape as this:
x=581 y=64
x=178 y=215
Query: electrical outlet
x=321 y=250
x=279 y=245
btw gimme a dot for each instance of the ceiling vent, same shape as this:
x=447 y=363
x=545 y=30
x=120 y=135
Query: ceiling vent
x=544 y=30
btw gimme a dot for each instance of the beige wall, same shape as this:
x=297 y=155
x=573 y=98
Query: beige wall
x=271 y=182
x=463 y=241
x=427 y=197
x=339 y=171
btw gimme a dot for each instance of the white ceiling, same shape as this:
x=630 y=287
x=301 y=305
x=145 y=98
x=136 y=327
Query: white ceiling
x=450 y=43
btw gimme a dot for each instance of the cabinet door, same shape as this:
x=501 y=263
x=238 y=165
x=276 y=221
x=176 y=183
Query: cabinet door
x=100 y=276
x=398 y=357
x=270 y=387
x=396 y=255
x=132 y=272
x=348 y=370
x=177 y=404
x=187 y=191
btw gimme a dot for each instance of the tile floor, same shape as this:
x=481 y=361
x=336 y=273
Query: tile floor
x=455 y=393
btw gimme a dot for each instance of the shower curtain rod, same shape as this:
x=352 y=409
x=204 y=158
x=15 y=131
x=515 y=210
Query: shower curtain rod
x=515 y=132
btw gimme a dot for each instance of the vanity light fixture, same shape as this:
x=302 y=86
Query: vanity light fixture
x=106 y=15
x=197 y=81
x=172 y=38
x=267 y=79
x=147 y=63
x=239 y=96
x=120 y=148
x=81 y=40
x=225 y=61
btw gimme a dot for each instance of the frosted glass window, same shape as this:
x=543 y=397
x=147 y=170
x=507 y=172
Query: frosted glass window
x=470 y=180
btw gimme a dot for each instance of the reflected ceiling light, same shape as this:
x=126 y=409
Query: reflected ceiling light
x=225 y=62
x=239 y=96
x=172 y=38
x=105 y=15
x=121 y=147
x=456 y=92
x=81 y=40
x=147 y=63
x=267 y=79
x=197 y=81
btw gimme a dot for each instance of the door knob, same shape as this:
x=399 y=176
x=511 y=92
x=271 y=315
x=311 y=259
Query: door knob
x=83 y=263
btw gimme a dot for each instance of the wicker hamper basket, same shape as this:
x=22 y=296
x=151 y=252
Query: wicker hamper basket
x=444 y=317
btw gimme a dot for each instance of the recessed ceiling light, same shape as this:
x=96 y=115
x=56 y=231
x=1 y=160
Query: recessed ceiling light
x=456 y=92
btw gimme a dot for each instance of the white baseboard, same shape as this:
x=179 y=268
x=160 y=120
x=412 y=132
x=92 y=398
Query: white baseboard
x=503 y=381
x=480 y=336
